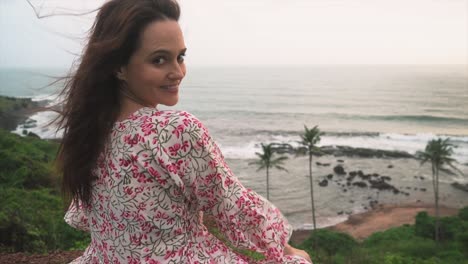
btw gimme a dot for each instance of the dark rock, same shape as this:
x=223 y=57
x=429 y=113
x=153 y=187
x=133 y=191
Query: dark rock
x=350 y=178
x=33 y=135
x=422 y=189
x=360 y=173
x=323 y=183
x=340 y=213
x=408 y=188
x=375 y=175
x=339 y=151
x=365 y=176
x=386 y=178
x=322 y=164
x=390 y=166
x=381 y=185
x=396 y=191
x=330 y=176
x=348 y=184
x=360 y=184
x=373 y=203
x=353 y=173
x=345 y=190
x=422 y=178
x=341 y=161
x=339 y=170
x=463 y=187
x=351 y=201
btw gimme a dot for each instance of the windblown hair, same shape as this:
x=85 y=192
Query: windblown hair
x=91 y=95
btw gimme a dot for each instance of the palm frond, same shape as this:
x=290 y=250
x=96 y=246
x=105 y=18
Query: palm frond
x=280 y=168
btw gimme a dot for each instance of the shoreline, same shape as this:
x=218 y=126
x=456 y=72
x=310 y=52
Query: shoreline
x=15 y=111
x=383 y=217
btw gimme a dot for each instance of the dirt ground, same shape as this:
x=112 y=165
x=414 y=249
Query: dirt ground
x=382 y=218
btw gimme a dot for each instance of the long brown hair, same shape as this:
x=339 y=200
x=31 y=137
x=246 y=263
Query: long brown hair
x=91 y=94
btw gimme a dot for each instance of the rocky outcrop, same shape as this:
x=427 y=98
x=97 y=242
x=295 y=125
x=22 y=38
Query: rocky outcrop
x=14 y=111
x=323 y=183
x=339 y=151
x=460 y=186
x=338 y=169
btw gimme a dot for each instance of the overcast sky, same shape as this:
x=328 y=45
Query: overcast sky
x=261 y=32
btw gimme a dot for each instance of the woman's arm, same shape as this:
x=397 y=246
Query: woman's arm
x=246 y=219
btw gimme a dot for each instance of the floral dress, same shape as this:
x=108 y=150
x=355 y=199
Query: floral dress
x=158 y=171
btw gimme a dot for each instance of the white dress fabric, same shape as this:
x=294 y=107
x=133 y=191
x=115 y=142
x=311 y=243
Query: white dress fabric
x=158 y=171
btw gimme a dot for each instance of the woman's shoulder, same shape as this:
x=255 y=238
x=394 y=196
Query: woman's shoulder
x=169 y=118
x=168 y=114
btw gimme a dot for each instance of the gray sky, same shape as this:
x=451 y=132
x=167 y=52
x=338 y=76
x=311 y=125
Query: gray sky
x=261 y=32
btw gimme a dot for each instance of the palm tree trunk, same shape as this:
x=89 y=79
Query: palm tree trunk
x=436 y=191
x=268 y=184
x=312 y=190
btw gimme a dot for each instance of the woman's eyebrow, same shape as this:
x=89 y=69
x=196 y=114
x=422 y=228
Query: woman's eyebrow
x=167 y=52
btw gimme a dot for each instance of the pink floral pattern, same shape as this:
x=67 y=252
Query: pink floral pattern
x=157 y=172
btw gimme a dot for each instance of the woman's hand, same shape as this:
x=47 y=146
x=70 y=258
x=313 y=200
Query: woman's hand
x=288 y=250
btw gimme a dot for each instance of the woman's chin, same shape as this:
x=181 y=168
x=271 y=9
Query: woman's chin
x=170 y=102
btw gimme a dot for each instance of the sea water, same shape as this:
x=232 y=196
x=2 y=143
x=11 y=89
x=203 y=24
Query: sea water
x=390 y=107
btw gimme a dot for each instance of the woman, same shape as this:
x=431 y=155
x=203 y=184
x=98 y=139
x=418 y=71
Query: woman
x=140 y=177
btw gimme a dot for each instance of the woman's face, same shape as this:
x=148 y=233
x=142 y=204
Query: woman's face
x=156 y=68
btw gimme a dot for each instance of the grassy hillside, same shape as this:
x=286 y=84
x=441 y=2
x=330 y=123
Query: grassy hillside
x=31 y=215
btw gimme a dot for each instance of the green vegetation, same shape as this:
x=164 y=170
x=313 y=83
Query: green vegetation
x=402 y=245
x=31 y=209
x=31 y=219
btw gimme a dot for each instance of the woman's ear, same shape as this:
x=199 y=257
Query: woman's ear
x=121 y=74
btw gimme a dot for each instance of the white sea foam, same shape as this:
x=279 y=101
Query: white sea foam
x=42 y=129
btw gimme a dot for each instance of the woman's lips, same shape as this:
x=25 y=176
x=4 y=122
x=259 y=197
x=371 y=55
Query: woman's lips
x=171 y=88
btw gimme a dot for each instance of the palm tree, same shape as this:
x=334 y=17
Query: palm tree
x=267 y=161
x=438 y=152
x=310 y=139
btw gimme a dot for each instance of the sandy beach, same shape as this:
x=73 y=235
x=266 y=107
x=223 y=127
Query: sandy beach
x=383 y=217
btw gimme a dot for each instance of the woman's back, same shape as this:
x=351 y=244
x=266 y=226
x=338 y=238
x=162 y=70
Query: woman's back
x=159 y=169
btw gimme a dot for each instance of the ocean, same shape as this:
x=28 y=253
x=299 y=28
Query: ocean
x=389 y=107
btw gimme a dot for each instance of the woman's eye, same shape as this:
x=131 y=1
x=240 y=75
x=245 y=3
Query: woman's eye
x=159 y=60
x=181 y=58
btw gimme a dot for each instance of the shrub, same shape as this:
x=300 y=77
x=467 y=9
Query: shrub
x=26 y=162
x=452 y=257
x=330 y=242
x=462 y=239
x=390 y=236
x=424 y=226
x=463 y=214
x=32 y=221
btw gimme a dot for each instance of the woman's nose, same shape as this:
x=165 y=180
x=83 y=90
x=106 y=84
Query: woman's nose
x=177 y=71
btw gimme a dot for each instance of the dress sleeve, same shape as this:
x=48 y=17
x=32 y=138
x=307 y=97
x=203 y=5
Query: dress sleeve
x=244 y=217
x=76 y=217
